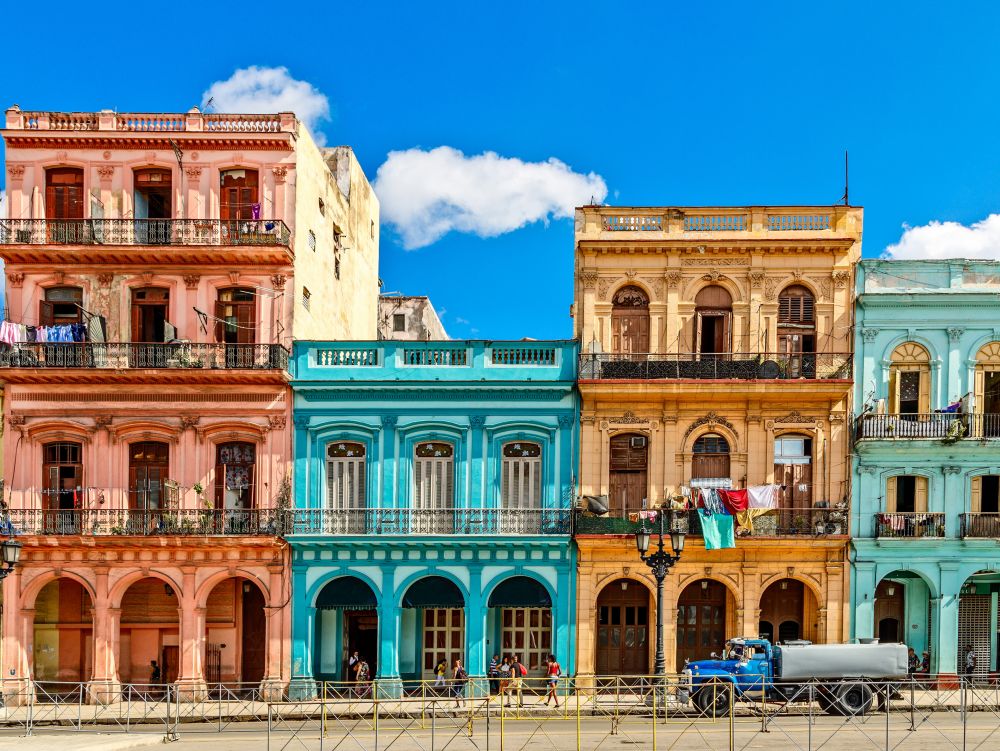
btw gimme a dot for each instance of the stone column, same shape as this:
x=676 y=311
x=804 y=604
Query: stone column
x=302 y=684
x=191 y=685
x=105 y=685
x=863 y=584
x=475 y=626
x=271 y=685
x=389 y=617
x=944 y=639
x=586 y=607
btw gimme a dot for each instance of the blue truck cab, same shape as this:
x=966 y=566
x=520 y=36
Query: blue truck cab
x=745 y=670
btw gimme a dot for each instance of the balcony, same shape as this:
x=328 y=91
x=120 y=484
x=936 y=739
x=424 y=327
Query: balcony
x=979 y=525
x=942 y=426
x=129 y=523
x=785 y=522
x=410 y=521
x=909 y=525
x=742 y=366
x=131 y=355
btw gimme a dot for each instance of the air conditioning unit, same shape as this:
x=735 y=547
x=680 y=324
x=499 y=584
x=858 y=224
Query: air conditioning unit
x=637 y=442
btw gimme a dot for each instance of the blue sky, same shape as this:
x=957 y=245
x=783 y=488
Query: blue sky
x=680 y=103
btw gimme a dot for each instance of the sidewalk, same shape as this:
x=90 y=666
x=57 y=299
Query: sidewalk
x=80 y=742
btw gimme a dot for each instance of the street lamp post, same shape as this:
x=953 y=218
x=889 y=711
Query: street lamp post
x=660 y=562
x=10 y=554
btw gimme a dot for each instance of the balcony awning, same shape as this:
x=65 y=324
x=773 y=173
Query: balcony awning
x=346 y=593
x=520 y=592
x=433 y=592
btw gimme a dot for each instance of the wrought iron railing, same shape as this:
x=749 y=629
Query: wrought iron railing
x=941 y=425
x=131 y=522
x=734 y=366
x=144 y=232
x=449 y=521
x=781 y=522
x=909 y=525
x=125 y=355
x=980 y=524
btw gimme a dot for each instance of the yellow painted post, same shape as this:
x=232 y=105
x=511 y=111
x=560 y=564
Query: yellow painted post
x=577 y=692
x=322 y=708
x=732 y=713
x=423 y=703
x=502 y=716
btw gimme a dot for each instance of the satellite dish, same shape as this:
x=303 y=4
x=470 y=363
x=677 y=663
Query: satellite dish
x=597 y=504
x=770 y=369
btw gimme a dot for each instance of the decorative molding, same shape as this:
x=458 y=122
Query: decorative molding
x=238 y=157
x=16 y=171
x=588 y=278
x=106 y=172
x=280 y=173
x=770 y=289
x=234 y=276
x=658 y=289
x=867 y=469
x=711 y=419
x=103 y=422
x=15 y=421
x=714 y=275
x=630 y=274
x=389 y=421
x=147 y=277
x=841 y=278
x=59 y=275
x=191 y=281
x=825 y=288
x=150 y=156
x=795 y=417
x=629 y=418
x=673 y=279
x=194 y=173
x=715 y=261
x=566 y=421
x=300 y=421
x=61 y=157
x=106 y=155
x=603 y=287
x=869 y=334
x=278 y=281
x=756 y=279
x=477 y=421
x=104 y=280
x=951 y=469
x=277 y=422
x=955 y=333
x=189 y=421
x=16 y=278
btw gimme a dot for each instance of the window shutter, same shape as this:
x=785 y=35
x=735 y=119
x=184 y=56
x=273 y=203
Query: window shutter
x=220 y=486
x=890 y=495
x=976 y=496
x=220 y=315
x=920 y=501
x=925 y=391
x=980 y=390
x=893 y=391
x=784 y=310
x=46 y=313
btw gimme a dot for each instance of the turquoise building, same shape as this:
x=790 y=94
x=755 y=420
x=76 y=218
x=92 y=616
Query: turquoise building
x=926 y=463
x=434 y=484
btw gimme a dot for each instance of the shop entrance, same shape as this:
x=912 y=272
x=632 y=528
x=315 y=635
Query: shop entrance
x=623 y=629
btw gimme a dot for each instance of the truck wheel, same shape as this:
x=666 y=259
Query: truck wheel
x=713 y=700
x=854 y=699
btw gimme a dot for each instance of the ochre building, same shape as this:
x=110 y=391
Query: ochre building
x=715 y=352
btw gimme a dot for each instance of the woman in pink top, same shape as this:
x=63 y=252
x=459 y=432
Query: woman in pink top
x=552 y=677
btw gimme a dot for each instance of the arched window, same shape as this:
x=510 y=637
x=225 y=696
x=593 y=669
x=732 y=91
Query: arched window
x=987 y=391
x=796 y=321
x=713 y=321
x=910 y=380
x=234 y=470
x=239 y=199
x=629 y=460
x=521 y=483
x=433 y=476
x=710 y=460
x=345 y=475
x=630 y=321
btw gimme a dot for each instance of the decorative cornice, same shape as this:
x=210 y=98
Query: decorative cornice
x=841 y=278
x=280 y=173
x=869 y=334
x=16 y=171
x=711 y=419
x=955 y=333
x=278 y=281
x=951 y=469
x=16 y=278
x=104 y=280
x=588 y=278
x=378 y=393
x=756 y=279
x=145 y=142
x=477 y=421
x=389 y=421
x=191 y=281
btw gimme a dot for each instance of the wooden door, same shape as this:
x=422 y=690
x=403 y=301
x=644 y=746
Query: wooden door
x=623 y=629
x=149 y=468
x=701 y=621
x=628 y=466
x=239 y=193
x=630 y=332
x=64 y=193
x=170 y=664
x=254 y=635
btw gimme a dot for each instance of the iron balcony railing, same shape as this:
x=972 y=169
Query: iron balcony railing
x=909 y=525
x=125 y=355
x=448 y=521
x=782 y=522
x=130 y=522
x=727 y=366
x=950 y=426
x=144 y=232
x=985 y=525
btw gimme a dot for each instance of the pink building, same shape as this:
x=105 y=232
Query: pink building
x=158 y=268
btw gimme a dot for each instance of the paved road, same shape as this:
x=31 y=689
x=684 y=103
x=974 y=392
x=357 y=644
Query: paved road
x=940 y=731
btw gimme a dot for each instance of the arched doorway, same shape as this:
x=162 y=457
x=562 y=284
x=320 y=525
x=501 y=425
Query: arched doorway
x=235 y=633
x=630 y=321
x=63 y=646
x=628 y=462
x=623 y=629
x=150 y=621
x=902 y=612
x=701 y=620
x=788 y=612
x=346 y=622
x=433 y=626
x=890 y=612
x=713 y=321
x=521 y=615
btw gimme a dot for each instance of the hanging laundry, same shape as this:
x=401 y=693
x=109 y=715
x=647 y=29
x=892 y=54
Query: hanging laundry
x=763 y=496
x=734 y=500
x=255 y=211
x=717 y=530
x=9 y=333
x=745 y=518
x=710 y=501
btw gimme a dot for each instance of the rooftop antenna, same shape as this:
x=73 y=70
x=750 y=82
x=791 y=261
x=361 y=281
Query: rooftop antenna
x=208 y=104
x=847 y=181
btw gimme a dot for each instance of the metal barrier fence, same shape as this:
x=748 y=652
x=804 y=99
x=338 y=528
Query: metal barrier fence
x=588 y=714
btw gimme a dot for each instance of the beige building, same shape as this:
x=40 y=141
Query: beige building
x=409 y=318
x=716 y=352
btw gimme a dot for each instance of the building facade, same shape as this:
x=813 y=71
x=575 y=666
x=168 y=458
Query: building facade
x=926 y=508
x=409 y=318
x=715 y=352
x=432 y=506
x=157 y=268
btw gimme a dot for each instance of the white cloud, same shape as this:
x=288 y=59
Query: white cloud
x=949 y=240
x=461 y=320
x=264 y=90
x=427 y=194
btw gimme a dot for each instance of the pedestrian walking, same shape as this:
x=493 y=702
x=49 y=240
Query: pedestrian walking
x=155 y=676
x=494 y=674
x=504 y=672
x=552 y=679
x=517 y=675
x=362 y=677
x=459 y=680
x=970 y=660
x=439 y=673
x=912 y=662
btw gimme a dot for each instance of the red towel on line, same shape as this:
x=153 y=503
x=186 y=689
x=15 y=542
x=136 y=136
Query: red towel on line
x=735 y=500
